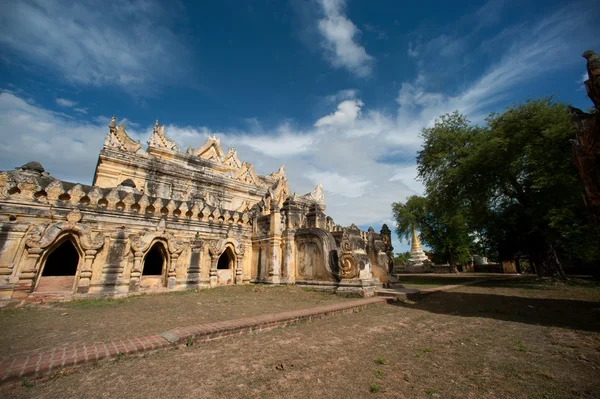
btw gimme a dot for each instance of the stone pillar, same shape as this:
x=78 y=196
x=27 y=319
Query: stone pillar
x=112 y=271
x=238 y=270
x=85 y=275
x=193 y=275
x=136 y=271
x=288 y=261
x=262 y=262
x=172 y=272
x=214 y=260
x=274 y=266
x=315 y=218
x=11 y=236
x=27 y=273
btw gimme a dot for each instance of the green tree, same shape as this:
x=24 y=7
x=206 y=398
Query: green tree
x=401 y=258
x=447 y=234
x=515 y=178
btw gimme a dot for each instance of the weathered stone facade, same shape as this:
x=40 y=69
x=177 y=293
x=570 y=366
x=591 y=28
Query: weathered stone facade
x=164 y=219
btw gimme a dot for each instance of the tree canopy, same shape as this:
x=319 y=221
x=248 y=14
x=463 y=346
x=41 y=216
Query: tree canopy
x=511 y=183
x=446 y=234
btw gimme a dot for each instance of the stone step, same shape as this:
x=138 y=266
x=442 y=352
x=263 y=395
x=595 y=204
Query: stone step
x=55 y=284
x=50 y=296
x=400 y=293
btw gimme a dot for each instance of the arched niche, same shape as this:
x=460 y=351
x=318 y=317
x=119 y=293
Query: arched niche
x=60 y=266
x=226 y=267
x=226 y=260
x=155 y=266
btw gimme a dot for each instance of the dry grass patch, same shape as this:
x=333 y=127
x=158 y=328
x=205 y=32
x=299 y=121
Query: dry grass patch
x=34 y=327
x=506 y=350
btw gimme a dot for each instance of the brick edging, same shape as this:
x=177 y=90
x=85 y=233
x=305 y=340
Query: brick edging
x=45 y=363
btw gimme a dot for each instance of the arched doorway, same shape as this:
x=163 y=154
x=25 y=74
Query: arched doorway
x=60 y=268
x=155 y=267
x=226 y=267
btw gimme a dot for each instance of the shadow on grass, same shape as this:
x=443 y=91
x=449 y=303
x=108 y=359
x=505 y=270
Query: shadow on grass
x=574 y=314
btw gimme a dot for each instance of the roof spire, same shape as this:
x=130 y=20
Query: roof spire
x=416 y=245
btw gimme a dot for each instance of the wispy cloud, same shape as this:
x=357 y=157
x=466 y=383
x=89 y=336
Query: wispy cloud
x=128 y=45
x=340 y=42
x=530 y=52
x=63 y=102
x=346 y=186
x=47 y=137
x=364 y=156
x=346 y=94
x=379 y=33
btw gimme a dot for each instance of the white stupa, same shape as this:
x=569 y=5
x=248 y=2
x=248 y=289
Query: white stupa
x=417 y=256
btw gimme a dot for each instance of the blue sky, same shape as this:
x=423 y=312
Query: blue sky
x=336 y=90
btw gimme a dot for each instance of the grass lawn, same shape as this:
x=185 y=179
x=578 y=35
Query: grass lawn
x=504 y=339
x=34 y=327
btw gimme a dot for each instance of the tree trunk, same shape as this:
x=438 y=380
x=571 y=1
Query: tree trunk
x=547 y=264
x=586 y=146
x=452 y=266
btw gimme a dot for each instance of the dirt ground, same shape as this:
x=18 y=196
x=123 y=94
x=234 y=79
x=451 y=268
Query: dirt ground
x=422 y=281
x=511 y=339
x=34 y=327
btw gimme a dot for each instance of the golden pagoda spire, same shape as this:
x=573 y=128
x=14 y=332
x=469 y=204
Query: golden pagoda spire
x=416 y=245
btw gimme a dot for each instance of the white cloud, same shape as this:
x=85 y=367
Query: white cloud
x=346 y=94
x=63 y=102
x=339 y=39
x=413 y=49
x=333 y=182
x=279 y=146
x=407 y=175
x=62 y=145
x=341 y=149
x=532 y=50
x=129 y=45
x=584 y=77
x=347 y=112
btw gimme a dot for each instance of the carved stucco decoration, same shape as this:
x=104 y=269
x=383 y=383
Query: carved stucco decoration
x=210 y=150
x=117 y=137
x=160 y=140
x=216 y=247
x=231 y=159
x=328 y=248
x=246 y=174
x=348 y=266
x=40 y=237
x=141 y=242
x=6 y=183
x=74 y=216
x=316 y=195
x=279 y=174
x=279 y=192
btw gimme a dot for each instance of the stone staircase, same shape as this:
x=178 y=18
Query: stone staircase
x=53 y=289
x=397 y=291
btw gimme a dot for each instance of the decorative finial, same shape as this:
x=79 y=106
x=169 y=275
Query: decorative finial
x=156 y=126
x=113 y=122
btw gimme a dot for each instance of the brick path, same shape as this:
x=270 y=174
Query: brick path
x=46 y=362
